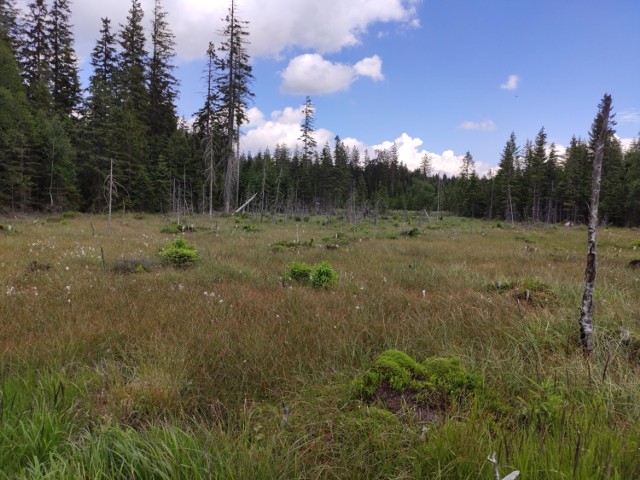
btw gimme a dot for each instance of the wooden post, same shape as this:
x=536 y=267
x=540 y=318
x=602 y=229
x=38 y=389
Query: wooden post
x=586 y=309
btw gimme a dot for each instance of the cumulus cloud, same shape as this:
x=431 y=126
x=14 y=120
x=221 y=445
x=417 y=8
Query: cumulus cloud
x=626 y=143
x=511 y=83
x=274 y=25
x=485 y=126
x=370 y=67
x=283 y=128
x=311 y=74
x=410 y=153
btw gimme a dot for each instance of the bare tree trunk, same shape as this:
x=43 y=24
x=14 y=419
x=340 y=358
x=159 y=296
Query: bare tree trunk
x=53 y=156
x=110 y=192
x=586 y=309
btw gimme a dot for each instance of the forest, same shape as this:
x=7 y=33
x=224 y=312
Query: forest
x=65 y=146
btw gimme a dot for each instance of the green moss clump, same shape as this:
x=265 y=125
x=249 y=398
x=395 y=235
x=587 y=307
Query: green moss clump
x=444 y=378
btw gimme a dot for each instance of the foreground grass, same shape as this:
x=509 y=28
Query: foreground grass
x=182 y=373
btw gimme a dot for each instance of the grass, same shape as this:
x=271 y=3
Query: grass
x=182 y=373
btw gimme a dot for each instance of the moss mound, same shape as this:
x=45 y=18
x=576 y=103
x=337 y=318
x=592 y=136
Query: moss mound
x=397 y=381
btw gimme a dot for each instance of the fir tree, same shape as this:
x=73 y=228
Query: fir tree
x=132 y=63
x=16 y=135
x=307 y=130
x=98 y=125
x=162 y=83
x=233 y=85
x=36 y=55
x=65 y=85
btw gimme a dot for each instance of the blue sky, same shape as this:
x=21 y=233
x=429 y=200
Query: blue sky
x=439 y=77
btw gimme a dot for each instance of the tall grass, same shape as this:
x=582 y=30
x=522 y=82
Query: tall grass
x=182 y=373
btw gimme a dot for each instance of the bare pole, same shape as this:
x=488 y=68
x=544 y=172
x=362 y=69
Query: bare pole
x=586 y=309
x=110 y=190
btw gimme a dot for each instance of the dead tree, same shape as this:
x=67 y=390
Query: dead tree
x=586 y=309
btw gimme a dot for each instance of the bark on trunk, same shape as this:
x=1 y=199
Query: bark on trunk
x=586 y=309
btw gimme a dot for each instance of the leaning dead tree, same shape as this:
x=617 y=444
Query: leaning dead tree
x=586 y=310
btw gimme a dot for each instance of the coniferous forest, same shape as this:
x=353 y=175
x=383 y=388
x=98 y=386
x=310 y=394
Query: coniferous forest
x=65 y=146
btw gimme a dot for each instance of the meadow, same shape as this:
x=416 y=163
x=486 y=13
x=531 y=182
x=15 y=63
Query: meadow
x=114 y=365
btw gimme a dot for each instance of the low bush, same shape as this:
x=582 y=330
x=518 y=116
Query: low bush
x=179 y=253
x=323 y=276
x=300 y=271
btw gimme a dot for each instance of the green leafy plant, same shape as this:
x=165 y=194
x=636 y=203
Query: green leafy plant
x=171 y=228
x=323 y=276
x=300 y=271
x=414 y=232
x=179 y=253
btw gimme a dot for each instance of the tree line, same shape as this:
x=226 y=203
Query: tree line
x=59 y=142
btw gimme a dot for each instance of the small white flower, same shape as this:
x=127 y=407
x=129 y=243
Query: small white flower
x=180 y=287
x=206 y=294
x=66 y=268
x=68 y=288
x=424 y=293
x=221 y=301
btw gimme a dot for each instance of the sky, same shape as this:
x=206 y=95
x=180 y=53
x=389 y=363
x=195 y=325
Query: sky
x=437 y=77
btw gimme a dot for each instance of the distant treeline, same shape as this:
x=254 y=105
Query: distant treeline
x=59 y=143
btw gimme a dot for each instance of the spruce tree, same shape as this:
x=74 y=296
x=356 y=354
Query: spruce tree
x=132 y=142
x=632 y=201
x=162 y=83
x=209 y=124
x=233 y=85
x=505 y=180
x=16 y=135
x=98 y=124
x=307 y=129
x=576 y=181
x=35 y=56
x=10 y=27
x=65 y=85
x=132 y=63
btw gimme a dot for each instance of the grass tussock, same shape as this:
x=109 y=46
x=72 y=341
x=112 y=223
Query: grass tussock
x=417 y=363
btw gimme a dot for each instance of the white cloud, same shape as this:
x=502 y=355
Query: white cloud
x=626 y=143
x=283 y=128
x=274 y=25
x=370 y=67
x=511 y=83
x=410 y=153
x=628 y=116
x=484 y=126
x=311 y=74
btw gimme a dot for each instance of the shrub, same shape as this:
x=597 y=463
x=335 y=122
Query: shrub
x=180 y=253
x=171 y=228
x=300 y=271
x=414 y=232
x=323 y=276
